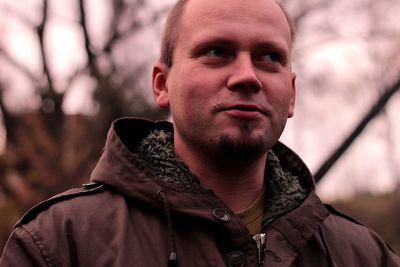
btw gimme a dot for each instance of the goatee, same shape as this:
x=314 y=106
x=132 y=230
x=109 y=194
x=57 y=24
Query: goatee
x=242 y=148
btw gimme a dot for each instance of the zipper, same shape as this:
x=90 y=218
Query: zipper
x=260 y=240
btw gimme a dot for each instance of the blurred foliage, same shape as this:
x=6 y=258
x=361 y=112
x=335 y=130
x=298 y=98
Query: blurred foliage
x=379 y=212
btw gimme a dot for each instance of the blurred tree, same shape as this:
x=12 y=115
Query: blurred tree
x=370 y=115
x=376 y=33
x=363 y=85
x=48 y=150
x=347 y=64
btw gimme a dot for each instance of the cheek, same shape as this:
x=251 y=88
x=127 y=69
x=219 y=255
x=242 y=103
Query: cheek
x=186 y=100
x=193 y=91
x=281 y=97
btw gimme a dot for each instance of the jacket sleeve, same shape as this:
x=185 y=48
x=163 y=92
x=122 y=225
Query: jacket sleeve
x=22 y=250
x=389 y=257
x=395 y=259
x=351 y=242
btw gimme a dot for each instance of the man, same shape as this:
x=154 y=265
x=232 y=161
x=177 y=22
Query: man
x=216 y=188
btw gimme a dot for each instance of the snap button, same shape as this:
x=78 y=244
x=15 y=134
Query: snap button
x=221 y=215
x=236 y=259
x=90 y=185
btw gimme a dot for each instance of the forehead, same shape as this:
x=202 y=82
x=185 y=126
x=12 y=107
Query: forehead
x=252 y=17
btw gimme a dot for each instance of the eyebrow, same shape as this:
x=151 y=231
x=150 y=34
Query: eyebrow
x=222 y=41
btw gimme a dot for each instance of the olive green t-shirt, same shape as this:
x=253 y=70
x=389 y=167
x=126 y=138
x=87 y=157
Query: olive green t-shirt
x=253 y=215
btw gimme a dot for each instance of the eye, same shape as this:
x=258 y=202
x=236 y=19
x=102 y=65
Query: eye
x=269 y=57
x=216 y=52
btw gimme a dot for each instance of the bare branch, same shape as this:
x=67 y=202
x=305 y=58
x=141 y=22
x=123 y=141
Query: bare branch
x=40 y=31
x=50 y=94
x=16 y=14
x=118 y=7
x=25 y=71
x=90 y=55
x=135 y=26
x=7 y=120
x=73 y=77
x=372 y=113
x=298 y=18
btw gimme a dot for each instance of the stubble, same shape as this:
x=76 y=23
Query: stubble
x=243 y=147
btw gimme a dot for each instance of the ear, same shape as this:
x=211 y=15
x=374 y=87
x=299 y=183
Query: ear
x=160 y=87
x=293 y=100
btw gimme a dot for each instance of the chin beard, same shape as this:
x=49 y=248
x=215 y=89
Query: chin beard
x=243 y=148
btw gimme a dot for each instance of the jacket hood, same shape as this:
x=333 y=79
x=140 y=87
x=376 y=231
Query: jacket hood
x=125 y=167
x=122 y=216
x=138 y=162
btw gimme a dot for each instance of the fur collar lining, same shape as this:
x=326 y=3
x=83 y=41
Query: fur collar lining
x=283 y=190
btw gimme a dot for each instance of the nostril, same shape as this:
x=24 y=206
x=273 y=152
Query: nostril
x=251 y=86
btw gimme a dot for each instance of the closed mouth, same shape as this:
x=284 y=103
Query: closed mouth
x=243 y=107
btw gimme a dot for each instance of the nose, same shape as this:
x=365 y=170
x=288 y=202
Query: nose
x=244 y=76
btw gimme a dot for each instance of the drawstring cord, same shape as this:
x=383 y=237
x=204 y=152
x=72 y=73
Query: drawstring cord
x=173 y=257
x=325 y=244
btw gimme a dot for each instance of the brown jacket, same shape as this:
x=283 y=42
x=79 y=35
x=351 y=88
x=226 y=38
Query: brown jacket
x=128 y=217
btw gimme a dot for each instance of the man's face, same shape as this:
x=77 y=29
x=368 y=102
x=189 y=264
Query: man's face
x=231 y=82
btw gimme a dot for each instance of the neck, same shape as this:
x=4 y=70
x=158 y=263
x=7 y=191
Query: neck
x=236 y=187
x=236 y=182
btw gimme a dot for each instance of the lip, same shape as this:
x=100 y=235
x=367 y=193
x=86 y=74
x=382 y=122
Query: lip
x=244 y=110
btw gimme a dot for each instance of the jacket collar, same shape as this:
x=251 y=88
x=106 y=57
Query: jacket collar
x=119 y=164
x=119 y=168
